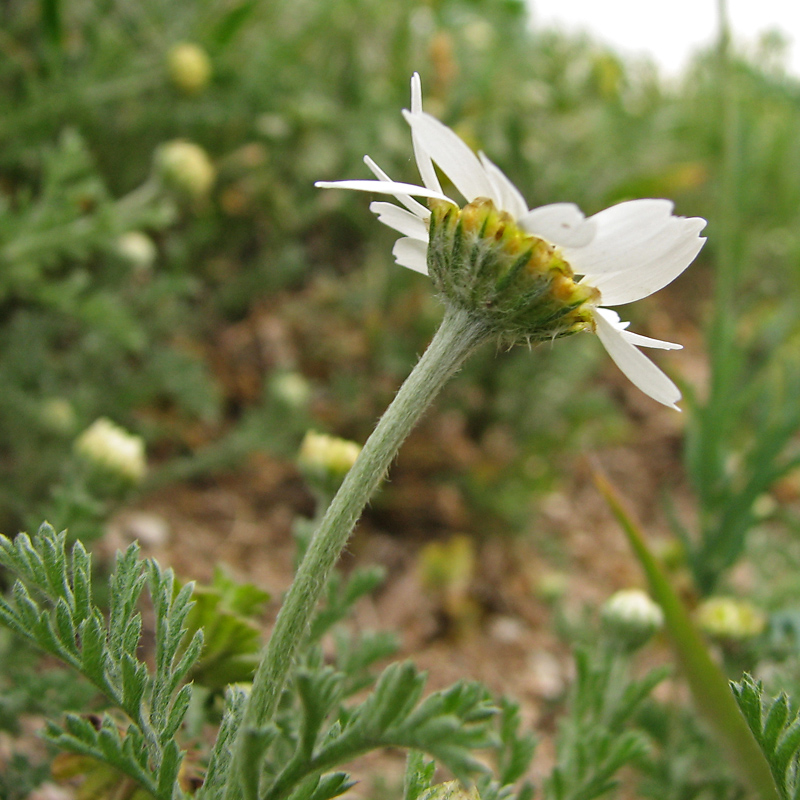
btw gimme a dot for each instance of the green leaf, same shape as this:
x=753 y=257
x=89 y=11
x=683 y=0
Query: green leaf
x=50 y=14
x=231 y=23
x=319 y=692
x=419 y=775
x=180 y=705
x=217 y=772
x=93 y=644
x=170 y=767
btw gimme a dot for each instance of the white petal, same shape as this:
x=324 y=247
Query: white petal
x=424 y=163
x=411 y=253
x=633 y=223
x=639 y=248
x=642 y=372
x=401 y=220
x=646 y=341
x=412 y=205
x=650 y=266
x=453 y=155
x=611 y=316
x=511 y=199
x=384 y=187
x=562 y=224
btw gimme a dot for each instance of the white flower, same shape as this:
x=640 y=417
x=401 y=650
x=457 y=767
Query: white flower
x=626 y=252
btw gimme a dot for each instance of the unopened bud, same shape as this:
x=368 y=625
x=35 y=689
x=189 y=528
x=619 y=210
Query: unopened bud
x=729 y=619
x=57 y=415
x=552 y=586
x=451 y=790
x=185 y=167
x=292 y=389
x=137 y=250
x=111 y=448
x=325 y=460
x=189 y=67
x=631 y=617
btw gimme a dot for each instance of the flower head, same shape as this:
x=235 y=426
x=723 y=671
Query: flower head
x=532 y=274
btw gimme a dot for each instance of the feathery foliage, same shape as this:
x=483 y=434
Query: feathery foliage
x=775 y=723
x=593 y=743
x=51 y=604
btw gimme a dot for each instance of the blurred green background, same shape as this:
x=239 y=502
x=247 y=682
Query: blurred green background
x=167 y=264
x=255 y=306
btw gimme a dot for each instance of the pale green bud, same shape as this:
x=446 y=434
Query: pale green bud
x=137 y=250
x=451 y=790
x=727 y=618
x=57 y=415
x=189 y=67
x=552 y=586
x=325 y=460
x=185 y=167
x=292 y=389
x=520 y=285
x=631 y=617
x=111 y=448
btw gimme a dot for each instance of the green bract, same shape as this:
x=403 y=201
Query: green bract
x=518 y=284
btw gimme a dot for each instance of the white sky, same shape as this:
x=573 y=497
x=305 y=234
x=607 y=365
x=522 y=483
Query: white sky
x=671 y=31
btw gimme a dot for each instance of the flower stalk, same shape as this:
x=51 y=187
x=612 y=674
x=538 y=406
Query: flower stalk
x=458 y=335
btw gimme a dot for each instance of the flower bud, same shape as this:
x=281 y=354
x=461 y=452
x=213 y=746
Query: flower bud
x=631 y=618
x=189 y=67
x=57 y=415
x=112 y=449
x=137 y=250
x=451 y=790
x=519 y=284
x=291 y=389
x=729 y=619
x=552 y=586
x=185 y=167
x=325 y=460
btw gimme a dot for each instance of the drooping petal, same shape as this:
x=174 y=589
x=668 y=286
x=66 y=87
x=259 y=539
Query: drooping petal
x=645 y=341
x=511 y=199
x=611 y=316
x=452 y=155
x=562 y=224
x=384 y=187
x=401 y=220
x=639 y=370
x=412 y=205
x=424 y=163
x=652 y=265
x=411 y=253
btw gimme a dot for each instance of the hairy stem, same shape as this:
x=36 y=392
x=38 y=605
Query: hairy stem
x=459 y=334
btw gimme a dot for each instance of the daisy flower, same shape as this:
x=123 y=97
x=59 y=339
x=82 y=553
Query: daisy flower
x=532 y=274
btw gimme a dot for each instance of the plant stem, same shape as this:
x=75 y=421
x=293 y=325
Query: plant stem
x=459 y=334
